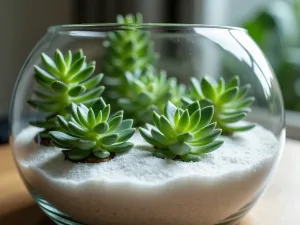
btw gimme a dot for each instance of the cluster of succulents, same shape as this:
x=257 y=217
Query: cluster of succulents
x=64 y=80
x=132 y=83
x=183 y=134
x=181 y=124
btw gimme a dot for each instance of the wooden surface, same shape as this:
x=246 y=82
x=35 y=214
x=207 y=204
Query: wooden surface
x=279 y=206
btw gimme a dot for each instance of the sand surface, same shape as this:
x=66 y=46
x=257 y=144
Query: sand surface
x=136 y=188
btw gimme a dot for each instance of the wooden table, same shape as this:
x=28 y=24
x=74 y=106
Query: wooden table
x=279 y=206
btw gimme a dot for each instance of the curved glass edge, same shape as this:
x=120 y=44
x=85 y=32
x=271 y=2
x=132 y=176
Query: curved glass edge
x=15 y=107
x=143 y=26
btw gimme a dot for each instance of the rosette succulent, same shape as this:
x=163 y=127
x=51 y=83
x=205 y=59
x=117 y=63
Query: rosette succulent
x=64 y=80
x=127 y=50
x=148 y=92
x=229 y=100
x=92 y=133
x=183 y=134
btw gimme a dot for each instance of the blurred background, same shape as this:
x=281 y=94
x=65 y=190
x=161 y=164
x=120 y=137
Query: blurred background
x=274 y=25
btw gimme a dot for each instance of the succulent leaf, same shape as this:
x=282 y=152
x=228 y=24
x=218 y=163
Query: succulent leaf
x=146 y=134
x=120 y=147
x=77 y=154
x=102 y=154
x=183 y=122
x=82 y=135
x=207 y=88
x=207 y=148
x=177 y=138
x=229 y=100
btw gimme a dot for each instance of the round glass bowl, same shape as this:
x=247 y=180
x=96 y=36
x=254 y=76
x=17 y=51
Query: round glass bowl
x=137 y=187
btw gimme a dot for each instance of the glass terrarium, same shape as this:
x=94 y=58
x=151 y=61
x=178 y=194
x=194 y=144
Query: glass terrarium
x=133 y=123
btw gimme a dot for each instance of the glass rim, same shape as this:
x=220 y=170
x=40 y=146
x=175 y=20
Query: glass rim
x=143 y=26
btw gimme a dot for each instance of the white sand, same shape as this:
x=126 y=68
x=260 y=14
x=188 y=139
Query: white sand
x=139 y=189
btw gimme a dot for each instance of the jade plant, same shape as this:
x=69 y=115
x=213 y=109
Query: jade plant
x=183 y=134
x=64 y=80
x=229 y=100
x=127 y=50
x=148 y=92
x=93 y=134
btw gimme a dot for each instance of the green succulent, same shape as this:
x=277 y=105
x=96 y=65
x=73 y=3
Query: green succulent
x=64 y=80
x=183 y=134
x=148 y=92
x=230 y=101
x=127 y=50
x=92 y=132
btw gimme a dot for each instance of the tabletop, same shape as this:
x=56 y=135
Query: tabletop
x=280 y=205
